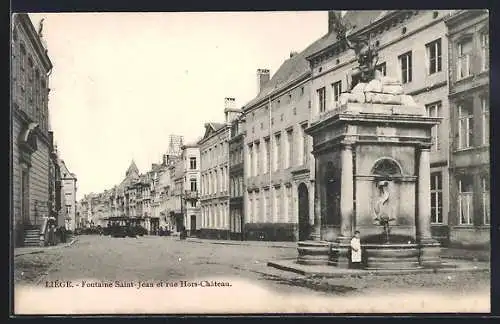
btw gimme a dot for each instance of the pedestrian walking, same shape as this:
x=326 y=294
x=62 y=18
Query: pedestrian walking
x=356 y=251
x=52 y=234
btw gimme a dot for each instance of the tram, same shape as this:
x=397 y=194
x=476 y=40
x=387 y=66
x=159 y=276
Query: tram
x=124 y=227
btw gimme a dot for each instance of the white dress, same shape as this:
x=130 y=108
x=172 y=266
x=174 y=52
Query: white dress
x=355 y=245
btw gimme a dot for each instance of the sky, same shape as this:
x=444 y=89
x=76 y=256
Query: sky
x=123 y=82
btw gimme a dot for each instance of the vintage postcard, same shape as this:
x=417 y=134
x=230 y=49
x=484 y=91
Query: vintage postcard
x=250 y=162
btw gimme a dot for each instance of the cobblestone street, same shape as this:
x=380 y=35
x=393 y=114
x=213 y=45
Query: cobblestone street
x=154 y=259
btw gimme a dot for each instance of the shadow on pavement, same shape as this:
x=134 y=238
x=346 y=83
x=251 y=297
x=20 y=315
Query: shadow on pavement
x=316 y=285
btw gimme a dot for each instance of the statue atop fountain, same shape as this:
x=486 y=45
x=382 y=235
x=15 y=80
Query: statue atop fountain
x=368 y=85
x=363 y=47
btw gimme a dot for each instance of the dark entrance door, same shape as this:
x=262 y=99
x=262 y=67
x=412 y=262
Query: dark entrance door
x=193 y=224
x=304 y=227
x=155 y=224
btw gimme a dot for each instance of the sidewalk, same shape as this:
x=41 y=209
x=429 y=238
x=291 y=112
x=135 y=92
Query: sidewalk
x=328 y=271
x=40 y=249
x=447 y=253
x=287 y=245
x=464 y=254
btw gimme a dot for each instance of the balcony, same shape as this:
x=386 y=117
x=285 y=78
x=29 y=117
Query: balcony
x=191 y=195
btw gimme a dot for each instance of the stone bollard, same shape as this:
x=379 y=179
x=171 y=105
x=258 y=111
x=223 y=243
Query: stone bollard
x=313 y=252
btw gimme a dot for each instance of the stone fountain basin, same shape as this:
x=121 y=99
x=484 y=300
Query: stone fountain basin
x=401 y=252
x=391 y=255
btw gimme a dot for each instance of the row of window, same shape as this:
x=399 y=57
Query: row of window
x=236 y=187
x=31 y=86
x=433 y=65
x=215 y=216
x=215 y=155
x=214 y=181
x=276 y=103
x=270 y=205
x=465 y=199
x=285 y=152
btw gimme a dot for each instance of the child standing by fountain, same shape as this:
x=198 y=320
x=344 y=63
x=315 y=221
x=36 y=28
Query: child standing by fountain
x=356 y=251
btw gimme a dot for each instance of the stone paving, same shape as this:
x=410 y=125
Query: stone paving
x=255 y=286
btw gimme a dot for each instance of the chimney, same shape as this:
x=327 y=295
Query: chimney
x=263 y=77
x=229 y=103
x=164 y=162
x=293 y=53
x=230 y=110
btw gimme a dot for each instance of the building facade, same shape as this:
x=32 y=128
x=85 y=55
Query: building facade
x=214 y=151
x=69 y=187
x=56 y=192
x=191 y=188
x=176 y=202
x=236 y=180
x=468 y=47
x=279 y=195
x=30 y=145
x=413 y=47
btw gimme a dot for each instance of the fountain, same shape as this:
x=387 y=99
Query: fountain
x=377 y=139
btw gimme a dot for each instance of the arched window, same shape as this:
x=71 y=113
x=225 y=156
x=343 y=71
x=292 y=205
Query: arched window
x=386 y=167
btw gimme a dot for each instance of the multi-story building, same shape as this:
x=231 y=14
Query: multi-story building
x=413 y=47
x=191 y=188
x=30 y=145
x=279 y=195
x=85 y=211
x=468 y=47
x=55 y=185
x=236 y=179
x=152 y=199
x=69 y=187
x=167 y=198
x=175 y=201
x=214 y=151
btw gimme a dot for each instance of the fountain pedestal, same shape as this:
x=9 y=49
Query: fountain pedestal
x=430 y=253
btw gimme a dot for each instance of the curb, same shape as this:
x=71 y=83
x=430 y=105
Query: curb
x=373 y=272
x=244 y=244
x=464 y=258
x=43 y=249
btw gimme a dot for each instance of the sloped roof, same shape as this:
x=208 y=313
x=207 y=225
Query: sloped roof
x=65 y=171
x=291 y=69
x=298 y=65
x=217 y=126
x=211 y=128
x=132 y=168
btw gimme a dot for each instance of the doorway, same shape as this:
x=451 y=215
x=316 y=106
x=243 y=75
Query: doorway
x=193 y=224
x=304 y=226
x=155 y=225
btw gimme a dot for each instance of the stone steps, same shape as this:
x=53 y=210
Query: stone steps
x=32 y=237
